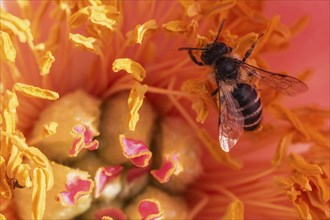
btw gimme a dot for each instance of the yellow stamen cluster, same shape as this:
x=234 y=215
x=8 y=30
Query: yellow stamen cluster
x=306 y=184
x=52 y=208
x=15 y=149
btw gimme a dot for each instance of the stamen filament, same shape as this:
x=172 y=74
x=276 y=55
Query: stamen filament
x=248 y=179
x=157 y=90
x=184 y=113
x=204 y=199
x=151 y=89
x=220 y=189
x=171 y=72
x=270 y=206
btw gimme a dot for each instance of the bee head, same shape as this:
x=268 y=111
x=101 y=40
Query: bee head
x=214 y=51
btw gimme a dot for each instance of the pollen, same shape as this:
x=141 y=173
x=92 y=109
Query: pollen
x=6 y=191
x=89 y=43
x=141 y=31
x=36 y=92
x=50 y=128
x=45 y=63
x=38 y=194
x=131 y=67
x=135 y=101
x=175 y=26
x=16 y=26
x=100 y=17
x=8 y=50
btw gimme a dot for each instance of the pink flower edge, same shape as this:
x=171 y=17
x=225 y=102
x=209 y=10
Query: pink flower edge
x=105 y=175
x=149 y=209
x=83 y=139
x=136 y=151
x=171 y=166
x=76 y=186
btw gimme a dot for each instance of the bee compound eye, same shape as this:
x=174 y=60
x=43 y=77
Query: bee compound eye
x=221 y=48
x=207 y=57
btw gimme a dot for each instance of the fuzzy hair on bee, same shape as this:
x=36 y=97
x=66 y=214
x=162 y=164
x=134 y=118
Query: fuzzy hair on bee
x=241 y=107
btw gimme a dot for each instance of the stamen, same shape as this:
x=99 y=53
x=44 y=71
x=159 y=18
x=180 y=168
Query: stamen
x=292 y=118
x=202 y=202
x=219 y=189
x=270 y=206
x=35 y=91
x=131 y=67
x=162 y=91
x=248 y=178
x=38 y=194
x=7 y=48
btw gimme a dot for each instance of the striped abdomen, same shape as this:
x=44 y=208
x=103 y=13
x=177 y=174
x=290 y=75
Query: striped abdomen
x=249 y=105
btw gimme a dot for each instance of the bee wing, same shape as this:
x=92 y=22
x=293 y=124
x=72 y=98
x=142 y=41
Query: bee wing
x=231 y=121
x=284 y=83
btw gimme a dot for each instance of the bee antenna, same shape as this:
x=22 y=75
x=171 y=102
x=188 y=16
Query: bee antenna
x=219 y=31
x=260 y=36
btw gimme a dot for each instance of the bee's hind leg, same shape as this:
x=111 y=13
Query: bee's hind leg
x=215 y=92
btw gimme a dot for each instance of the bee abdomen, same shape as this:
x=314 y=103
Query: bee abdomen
x=249 y=105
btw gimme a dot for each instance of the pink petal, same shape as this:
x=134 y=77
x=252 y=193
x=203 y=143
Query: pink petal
x=76 y=187
x=113 y=213
x=136 y=151
x=105 y=175
x=150 y=209
x=83 y=138
x=136 y=172
x=169 y=167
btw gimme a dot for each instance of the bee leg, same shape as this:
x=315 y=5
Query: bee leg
x=249 y=51
x=193 y=58
x=215 y=92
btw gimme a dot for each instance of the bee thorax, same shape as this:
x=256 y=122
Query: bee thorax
x=226 y=69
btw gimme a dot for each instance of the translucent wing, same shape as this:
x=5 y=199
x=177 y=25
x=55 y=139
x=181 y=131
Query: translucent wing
x=231 y=121
x=284 y=83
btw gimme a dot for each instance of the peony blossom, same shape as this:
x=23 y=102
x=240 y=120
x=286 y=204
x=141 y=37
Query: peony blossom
x=102 y=117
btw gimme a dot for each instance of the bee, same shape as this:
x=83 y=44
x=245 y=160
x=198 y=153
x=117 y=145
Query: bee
x=241 y=107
